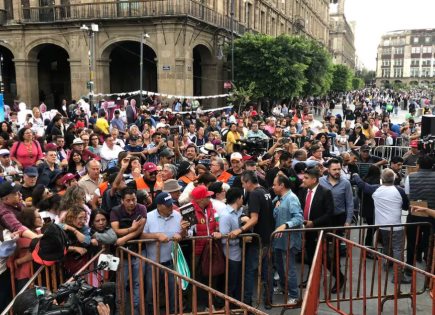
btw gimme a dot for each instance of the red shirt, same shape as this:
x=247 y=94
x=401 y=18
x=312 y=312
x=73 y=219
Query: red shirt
x=26 y=155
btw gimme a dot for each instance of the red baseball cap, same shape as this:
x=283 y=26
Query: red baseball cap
x=149 y=167
x=201 y=192
x=66 y=178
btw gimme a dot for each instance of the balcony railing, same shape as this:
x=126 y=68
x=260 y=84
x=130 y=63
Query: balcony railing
x=128 y=10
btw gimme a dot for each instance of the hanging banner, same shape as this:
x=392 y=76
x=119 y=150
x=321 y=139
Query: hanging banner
x=2 y=108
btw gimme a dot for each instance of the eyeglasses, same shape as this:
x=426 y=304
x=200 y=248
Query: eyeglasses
x=153 y=173
x=5 y=156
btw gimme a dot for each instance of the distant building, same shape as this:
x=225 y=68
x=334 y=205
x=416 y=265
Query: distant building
x=406 y=56
x=341 y=35
x=46 y=49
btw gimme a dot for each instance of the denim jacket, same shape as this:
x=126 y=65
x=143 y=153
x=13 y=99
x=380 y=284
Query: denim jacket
x=288 y=211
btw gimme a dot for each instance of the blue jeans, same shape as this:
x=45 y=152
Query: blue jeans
x=135 y=275
x=292 y=276
x=160 y=277
x=251 y=266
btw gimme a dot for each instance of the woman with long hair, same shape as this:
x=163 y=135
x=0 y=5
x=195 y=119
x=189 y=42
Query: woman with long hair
x=233 y=137
x=6 y=128
x=79 y=236
x=76 y=164
x=74 y=196
x=101 y=231
x=26 y=151
x=30 y=218
x=357 y=138
x=324 y=142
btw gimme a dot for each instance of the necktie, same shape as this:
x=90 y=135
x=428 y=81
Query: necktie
x=307 y=204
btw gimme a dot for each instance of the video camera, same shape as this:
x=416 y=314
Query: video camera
x=75 y=297
x=254 y=145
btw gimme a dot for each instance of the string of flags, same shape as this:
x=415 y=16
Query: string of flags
x=205 y=110
x=166 y=95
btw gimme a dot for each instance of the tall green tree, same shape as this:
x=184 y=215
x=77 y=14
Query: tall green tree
x=357 y=83
x=319 y=71
x=341 y=78
x=272 y=63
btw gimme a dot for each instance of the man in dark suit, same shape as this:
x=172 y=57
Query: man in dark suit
x=318 y=205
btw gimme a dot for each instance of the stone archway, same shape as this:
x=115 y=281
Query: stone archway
x=53 y=73
x=8 y=75
x=204 y=71
x=123 y=69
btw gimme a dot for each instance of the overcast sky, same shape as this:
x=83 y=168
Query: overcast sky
x=376 y=17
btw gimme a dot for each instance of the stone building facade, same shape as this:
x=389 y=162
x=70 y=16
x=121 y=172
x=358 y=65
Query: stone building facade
x=341 y=35
x=47 y=52
x=406 y=56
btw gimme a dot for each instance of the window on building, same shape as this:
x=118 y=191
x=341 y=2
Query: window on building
x=248 y=14
x=427 y=39
x=385 y=63
x=385 y=73
x=415 y=50
x=415 y=62
x=386 y=51
x=386 y=42
x=427 y=49
x=425 y=72
x=415 y=72
x=262 y=21
x=415 y=40
x=425 y=62
x=398 y=62
x=398 y=72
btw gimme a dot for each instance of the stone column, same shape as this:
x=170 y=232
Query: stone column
x=102 y=76
x=26 y=72
x=210 y=83
x=184 y=76
x=79 y=78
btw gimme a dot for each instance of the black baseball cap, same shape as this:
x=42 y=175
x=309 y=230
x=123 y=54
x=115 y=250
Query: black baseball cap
x=7 y=188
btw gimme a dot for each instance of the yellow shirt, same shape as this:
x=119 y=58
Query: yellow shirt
x=103 y=125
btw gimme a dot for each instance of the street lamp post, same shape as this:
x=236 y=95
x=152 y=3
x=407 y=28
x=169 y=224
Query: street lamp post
x=1 y=74
x=142 y=37
x=91 y=55
x=232 y=41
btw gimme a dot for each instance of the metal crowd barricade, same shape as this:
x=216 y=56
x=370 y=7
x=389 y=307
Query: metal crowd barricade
x=160 y=285
x=311 y=300
x=126 y=303
x=35 y=278
x=387 y=152
x=347 y=263
x=351 y=300
x=49 y=277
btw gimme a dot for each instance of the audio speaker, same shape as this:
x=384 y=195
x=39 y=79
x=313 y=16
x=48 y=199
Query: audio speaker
x=427 y=126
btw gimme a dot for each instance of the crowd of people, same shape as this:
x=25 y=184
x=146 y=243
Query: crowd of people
x=122 y=172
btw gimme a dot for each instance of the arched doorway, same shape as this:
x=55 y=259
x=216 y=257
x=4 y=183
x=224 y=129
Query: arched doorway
x=8 y=75
x=54 y=74
x=124 y=67
x=204 y=72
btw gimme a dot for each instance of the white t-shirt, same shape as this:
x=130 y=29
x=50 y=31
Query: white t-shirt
x=388 y=206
